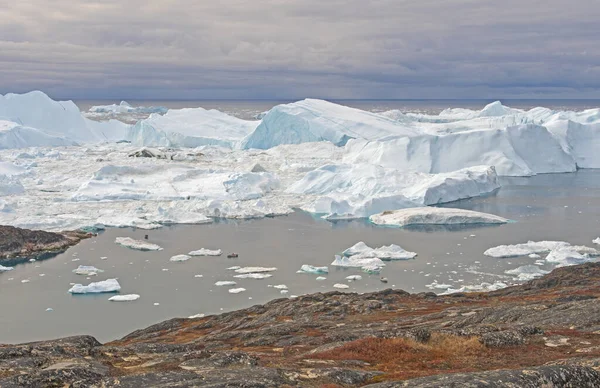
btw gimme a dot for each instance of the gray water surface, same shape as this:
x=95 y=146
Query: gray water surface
x=546 y=207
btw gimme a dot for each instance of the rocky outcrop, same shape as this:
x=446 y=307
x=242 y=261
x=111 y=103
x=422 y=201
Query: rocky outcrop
x=543 y=333
x=18 y=245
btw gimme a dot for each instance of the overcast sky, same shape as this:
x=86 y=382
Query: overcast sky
x=273 y=49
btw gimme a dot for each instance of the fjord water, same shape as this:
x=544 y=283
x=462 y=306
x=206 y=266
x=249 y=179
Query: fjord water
x=545 y=207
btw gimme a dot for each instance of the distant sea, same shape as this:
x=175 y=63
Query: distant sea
x=247 y=109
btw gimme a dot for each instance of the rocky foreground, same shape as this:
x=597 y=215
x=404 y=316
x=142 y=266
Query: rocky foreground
x=543 y=333
x=18 y=245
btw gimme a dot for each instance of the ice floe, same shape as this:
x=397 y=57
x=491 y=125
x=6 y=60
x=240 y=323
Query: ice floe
x=253 y=276
x=180 y=258
x=434 y=216
x=357 y=261
x=206 y=252
x=5 y=269
x=236 y=290
x=225 y=283
x=561 y=248
x=124 y=298
x=390 y=252
x=87 y=270
x=128 y=242
x=483 y=287
x=341 y=286
x=246 y=270
x=110 y=285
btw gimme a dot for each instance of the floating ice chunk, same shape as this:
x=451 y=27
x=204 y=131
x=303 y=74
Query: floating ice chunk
x=526 y=272
x=438 y=286
x=234 y=268
x=341 y=286
x=255 y=270
x=253 y=276
x=434 y=216
x=87 y=270
x=314 y=270
x=5 y=269
x=372 y=269
x=25 y=281
x=196 y=316
x=206 y=252
x=128 y=242
x=180 y=258
x=483 y=287
x=525 y=249
x=198 y=276
x=353 y=277
x=596 y=241
x=110 y=285
x=283 y=291
x=236 y=290
x=321 y=278
x=281 y=287
x=49 y=309
x=534 y=256
x=225 y=283
x=156 y=304
x=567 y=256
x=356 y=261
x=124 y=298
x=391 y=252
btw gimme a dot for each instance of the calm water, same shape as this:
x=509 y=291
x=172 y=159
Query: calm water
x=247 y=109
x=554 y=206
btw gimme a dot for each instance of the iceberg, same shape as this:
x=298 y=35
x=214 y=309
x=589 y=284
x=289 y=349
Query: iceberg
x=124 y=298
x=253 y=276
x=314 y=270
x=357 y=261
x=532 y=247
x=5 y=269
x=206 y=252
x=128 y=242
x=236 y=290
x=391 y=252
x=87 y=270
x=180 y=258
x=434 y=216
x=281 y=287
x=125 y=107
x=353 y=277
x=190 y=128
x=567 y=256
x=13 y=135
x=483 y=287
x=110 y=285
x=341 y=286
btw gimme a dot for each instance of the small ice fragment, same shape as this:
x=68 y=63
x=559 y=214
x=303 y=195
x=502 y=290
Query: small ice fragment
x=234 y=268
x=103 y=258
x=42 y=274
x=5 y=269
x=87 y=270
x=283 y=291
x=236 y=290
x=341 y=286
x=596 y=240
x=32 y=260
x=312 y=269
x=320 y=278
x=49 y=309
x=534 y=256
x=196 y=316
x=353 y=277
x=198 y=276
x=224 y=283
x=75 y=260
x=124 y=298
x=25 y=281
x=281 y=287
x=157 y=304
x=165 y=269
x=180 y=258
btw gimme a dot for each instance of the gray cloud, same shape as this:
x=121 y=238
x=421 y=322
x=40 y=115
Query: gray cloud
x=298 y=48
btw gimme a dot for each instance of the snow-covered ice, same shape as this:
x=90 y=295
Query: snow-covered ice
x=434 y=216
x=110 y=285
x=5 y=269
x=537 y=247
x=245 y=270
x=225 y=283
x=357 y=261
x=341 y=286
x=124 y=298
x=125 y=107
x=483 y=287
x=128 y=242
x=236 y=290
x=253 y=276
x=389 y=252
x=206 y=252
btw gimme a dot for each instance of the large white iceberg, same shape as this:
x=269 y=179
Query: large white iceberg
x=528 y=248
x=527 y=272
x=190 y=128
x=390 y=252
x=357 y=261
x=434 y=216
x=110 y=285
x=13 y=135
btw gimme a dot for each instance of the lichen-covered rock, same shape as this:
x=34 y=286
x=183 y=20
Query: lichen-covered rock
x=501 y=339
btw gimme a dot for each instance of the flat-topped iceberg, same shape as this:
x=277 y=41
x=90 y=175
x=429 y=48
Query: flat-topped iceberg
x=124 y=298
x=225 y=283
x=245 y=270
x=253 y=276
x=128 y=242
x=434 y=216
x=206 y=252
x=527 y=272
x=5 y=269
x=357 y=261
x=110 y=285
x=525 y=249
x=180 y=258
